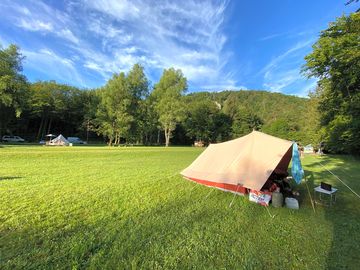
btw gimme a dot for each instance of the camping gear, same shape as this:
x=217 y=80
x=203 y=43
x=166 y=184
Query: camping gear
x=353 y=191
x=260 y=197
x=332 y=193
x=309 y=149
x=325 y=186
x=240 y=164
x=277 y=199
x=291 y=203
x=60 y=141
x=297 y=171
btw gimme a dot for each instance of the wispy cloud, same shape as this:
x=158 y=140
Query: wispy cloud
x=273 y=36
x=110 y=36
x=35 y=25
x=37 y=16
x=282 y=73
x=184 y=35
x=46 y=62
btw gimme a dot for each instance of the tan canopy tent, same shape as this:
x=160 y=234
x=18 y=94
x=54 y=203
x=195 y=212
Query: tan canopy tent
x=246 y=162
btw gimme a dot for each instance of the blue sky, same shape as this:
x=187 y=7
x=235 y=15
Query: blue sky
x=217 y=44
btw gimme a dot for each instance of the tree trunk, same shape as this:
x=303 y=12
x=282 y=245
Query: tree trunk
x=40 y=128
x=49 y=128
x=167 y=137
x=43 y=130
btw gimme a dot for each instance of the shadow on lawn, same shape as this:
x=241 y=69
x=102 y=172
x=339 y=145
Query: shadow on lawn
x=9 y=177
x=344 y=214
x=182 y=226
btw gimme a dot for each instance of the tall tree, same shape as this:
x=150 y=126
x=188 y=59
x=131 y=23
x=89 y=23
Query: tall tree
x=168 y=98
x=335 y=60
x=139 y=88
x=13 y=85
x=114 y=115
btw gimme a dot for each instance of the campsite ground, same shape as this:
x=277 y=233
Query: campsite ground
x=101 y=207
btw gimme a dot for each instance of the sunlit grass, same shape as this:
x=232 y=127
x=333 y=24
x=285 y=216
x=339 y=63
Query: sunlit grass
x=106 y=208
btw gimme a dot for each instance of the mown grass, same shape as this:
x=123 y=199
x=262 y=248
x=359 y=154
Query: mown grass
x=128 y=208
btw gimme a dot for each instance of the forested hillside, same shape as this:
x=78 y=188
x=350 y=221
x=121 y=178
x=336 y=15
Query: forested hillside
x=289 y=117
x=127 y=109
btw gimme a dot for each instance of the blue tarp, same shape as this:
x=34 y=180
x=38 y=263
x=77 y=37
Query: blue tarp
x=297 y=171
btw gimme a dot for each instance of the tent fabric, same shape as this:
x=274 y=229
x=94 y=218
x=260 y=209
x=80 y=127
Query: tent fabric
x=297 y=171
x=247 y=161
x=59 y=140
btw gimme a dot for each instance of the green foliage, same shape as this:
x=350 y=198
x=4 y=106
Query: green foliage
x=199 y=121
x=288 y=117
x=124 y=110
x=114 y=115
x=168 y=100
x=56 y=105
x=13 y=85
x=244 y=122
x=120 y=113
x=335 y=60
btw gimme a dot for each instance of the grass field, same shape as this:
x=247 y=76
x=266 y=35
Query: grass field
x=128 y=208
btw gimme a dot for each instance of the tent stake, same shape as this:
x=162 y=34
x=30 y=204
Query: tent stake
x=312 y=202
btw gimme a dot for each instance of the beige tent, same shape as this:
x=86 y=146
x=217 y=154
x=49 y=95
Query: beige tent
x=246 y=162
x=59 y=140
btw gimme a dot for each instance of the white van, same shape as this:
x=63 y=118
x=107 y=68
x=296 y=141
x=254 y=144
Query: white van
x=75 y=140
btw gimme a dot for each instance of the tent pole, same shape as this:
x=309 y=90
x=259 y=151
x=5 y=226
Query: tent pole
x=312 y=202
x=234 y=196
x=209 y=193
x=267 y=208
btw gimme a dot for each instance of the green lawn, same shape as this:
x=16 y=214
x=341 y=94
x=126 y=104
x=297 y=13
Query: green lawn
x=106 y=208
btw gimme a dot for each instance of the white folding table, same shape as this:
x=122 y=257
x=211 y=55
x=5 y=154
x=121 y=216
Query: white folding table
x=331 y=193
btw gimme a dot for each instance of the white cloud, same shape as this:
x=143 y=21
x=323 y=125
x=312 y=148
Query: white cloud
x=282 y=73
x=39 y=17
x=67 y=34
x=107 y=36
x=35 y=25
x=185 y=35
x=46 y=61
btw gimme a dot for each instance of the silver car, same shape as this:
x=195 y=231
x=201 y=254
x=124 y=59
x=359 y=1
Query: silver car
x=8 y=138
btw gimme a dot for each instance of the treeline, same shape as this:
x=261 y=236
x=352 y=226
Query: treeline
x=335 y=60
x=127 y=109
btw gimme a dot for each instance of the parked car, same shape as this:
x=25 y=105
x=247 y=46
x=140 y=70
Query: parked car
x=8 y=138
x=75 y=140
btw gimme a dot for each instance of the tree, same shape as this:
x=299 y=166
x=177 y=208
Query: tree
x=244 y=122
x=114 y=116
x=13 y=85
x=168 y=100
x=56 y=108
x=139 y=88
x=335 y=60
x=199 y=121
